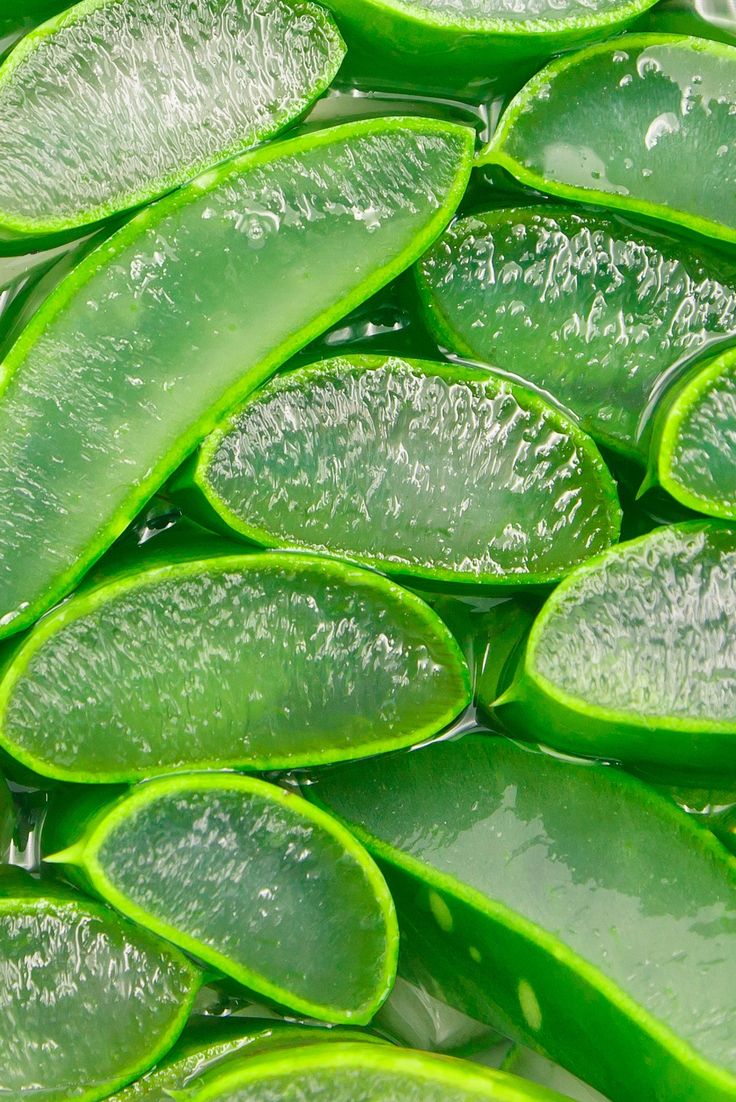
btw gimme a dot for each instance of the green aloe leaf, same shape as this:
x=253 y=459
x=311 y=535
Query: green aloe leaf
x=249 y=878
x=211 y=1047
x=580 y=304
x=693 y=451
x=89 y=1001
x=173 y=320
x=632 y=656
x=630 y=123
x=114 y=102
x=565 y=903
x=371 y=1073
x=463 y=46
x=161 y=666
x=445 y=473
x=7 y=819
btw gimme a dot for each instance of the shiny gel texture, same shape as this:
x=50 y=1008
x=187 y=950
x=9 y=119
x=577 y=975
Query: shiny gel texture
x=604 y=866
x=632 y=123
x=86 y=1000
x=413 y=467
x=260 y=662
x=581 y=305
x=160 y=331
x=647 y=630
x=121 y=100
x=285 y=906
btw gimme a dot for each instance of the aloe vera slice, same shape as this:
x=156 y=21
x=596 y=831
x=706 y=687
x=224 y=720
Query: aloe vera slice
x=198 y=660
x=114 y=102
x=530 y=1065
x=249 y=878
x=534 y=890
x=463 y=46
x=630 y=123
x=579 y=304
x=694 y=444
x=632 y=656
x=371 y=1073
x=89 y=1001
x=7 y=819
x=180 y=314
x=211 y=1047
x=419 y=469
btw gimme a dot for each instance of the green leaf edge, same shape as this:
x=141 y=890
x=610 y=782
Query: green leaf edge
x=130 y=580
x=83 y=855
x=499 y=913
x=12 y=226
x=112 y=247
x=195 y=478
x=494 y=152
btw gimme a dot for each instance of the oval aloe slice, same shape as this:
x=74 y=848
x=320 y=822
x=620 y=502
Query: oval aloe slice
x=632 y=657
x=694 y=444
x=528 y=886
x=211 y=1047
x=114 y=102
x=467 y=45
x=631 y=123
x=154 y=336
x=247 y=877
x=419 y=469
x=371 y=1073
x=89 y=1000
x=579 y=304
x=249 y=661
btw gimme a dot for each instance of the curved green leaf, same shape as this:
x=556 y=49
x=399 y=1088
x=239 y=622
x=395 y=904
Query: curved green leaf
x=532 y=890
x=174 y=319
x=221 y=864
x=630 y=123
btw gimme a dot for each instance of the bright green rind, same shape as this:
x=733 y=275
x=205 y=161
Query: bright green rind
x=210 y=488
x=86 y=859
x=467 y=831
x=81 y=32
x=521 y=122
x=84 y=484
x=577 y=303
x=31 y=702
x=695 y=446
x=536 y=708
x=19 y=894
x=210 y=1046
x=379 y=1074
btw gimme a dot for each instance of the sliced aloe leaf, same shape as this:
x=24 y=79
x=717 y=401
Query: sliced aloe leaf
x=530 y=886
x=633 y=658
x=7 y=819
x=114 y=102
x=211 y=1047
x=530 y=1065
x=161 y=666
x=579 y=304
x=464 y=46
x=703 y=18
x=247 y=877
x=371 y=1073
x=89 y=1000
x=693 y=453
x=630 y=123
x=446 y=473
x=140 y=351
